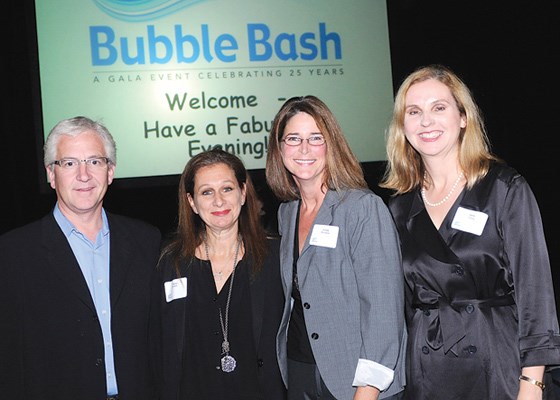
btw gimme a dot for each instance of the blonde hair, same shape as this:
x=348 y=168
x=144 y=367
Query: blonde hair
x=405 y=169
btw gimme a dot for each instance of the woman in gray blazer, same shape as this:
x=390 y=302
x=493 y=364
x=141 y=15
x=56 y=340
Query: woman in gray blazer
x=342 y=334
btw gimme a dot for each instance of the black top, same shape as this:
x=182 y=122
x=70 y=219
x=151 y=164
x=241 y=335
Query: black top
x=191 y=336
x=203 y=377
x=299 y=348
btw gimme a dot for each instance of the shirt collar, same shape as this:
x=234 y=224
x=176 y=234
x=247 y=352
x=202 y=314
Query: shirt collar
x=68 y=227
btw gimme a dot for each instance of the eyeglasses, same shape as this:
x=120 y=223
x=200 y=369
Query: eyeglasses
x=313 y=140
x=74 y=163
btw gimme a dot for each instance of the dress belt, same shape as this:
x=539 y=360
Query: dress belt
x=113 y=397
x=447 y=328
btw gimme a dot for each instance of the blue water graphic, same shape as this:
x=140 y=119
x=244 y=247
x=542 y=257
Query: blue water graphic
x=142 y=10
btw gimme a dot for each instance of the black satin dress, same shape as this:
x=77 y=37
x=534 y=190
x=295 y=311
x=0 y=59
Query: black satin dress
x=479 y=308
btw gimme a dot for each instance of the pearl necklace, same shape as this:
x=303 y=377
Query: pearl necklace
x=439 y=203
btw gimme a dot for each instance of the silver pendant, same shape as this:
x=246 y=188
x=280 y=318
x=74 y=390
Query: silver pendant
x=228 y=363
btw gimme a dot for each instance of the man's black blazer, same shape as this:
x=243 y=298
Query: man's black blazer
x=51 y=345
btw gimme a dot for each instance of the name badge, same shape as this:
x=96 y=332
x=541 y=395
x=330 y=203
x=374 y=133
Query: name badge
x=469 y=221
x=324 y=236
x=175 y=289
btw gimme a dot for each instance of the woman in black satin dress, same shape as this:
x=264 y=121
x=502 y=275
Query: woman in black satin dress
x=480 y=304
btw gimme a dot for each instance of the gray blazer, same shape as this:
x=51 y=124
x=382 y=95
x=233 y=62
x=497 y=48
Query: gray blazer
x=353 y=294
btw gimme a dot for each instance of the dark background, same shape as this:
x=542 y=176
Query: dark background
x=503 y=50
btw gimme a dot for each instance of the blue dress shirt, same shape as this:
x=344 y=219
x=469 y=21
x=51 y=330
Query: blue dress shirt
x=93 y=258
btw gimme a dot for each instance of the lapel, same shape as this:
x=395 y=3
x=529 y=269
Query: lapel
x=424 y=233
x=287 y=223
x=257 y=288
x=180 y=308
x=120 y=259
x=323 y=217
x=61 y=259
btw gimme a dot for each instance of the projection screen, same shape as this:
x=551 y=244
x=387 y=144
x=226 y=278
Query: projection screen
x=170 y=78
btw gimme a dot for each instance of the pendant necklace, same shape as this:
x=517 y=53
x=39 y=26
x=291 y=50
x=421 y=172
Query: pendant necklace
x=439 y=203
x=227 y=361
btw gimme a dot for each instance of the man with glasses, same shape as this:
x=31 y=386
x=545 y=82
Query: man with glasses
x=75 y=285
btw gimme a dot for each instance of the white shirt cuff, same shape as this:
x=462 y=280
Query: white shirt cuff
x=370 y=373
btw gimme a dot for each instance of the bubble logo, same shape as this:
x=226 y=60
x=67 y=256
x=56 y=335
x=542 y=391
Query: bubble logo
x=142 y=10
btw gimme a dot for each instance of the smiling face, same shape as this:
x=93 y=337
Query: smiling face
x=305 y=162
x=432 y=121
x=217 y=197
x=80 y=191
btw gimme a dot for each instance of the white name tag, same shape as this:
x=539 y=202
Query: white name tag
x=324 y=236
x=469 y=221
x=175 y=289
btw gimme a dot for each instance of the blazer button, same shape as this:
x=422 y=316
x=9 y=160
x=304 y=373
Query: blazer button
x=306 y=306
x=98 y=362
x=425 y=349
x=260 y=362
x=459 y=270
x=314 y=336
x=469 y=308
